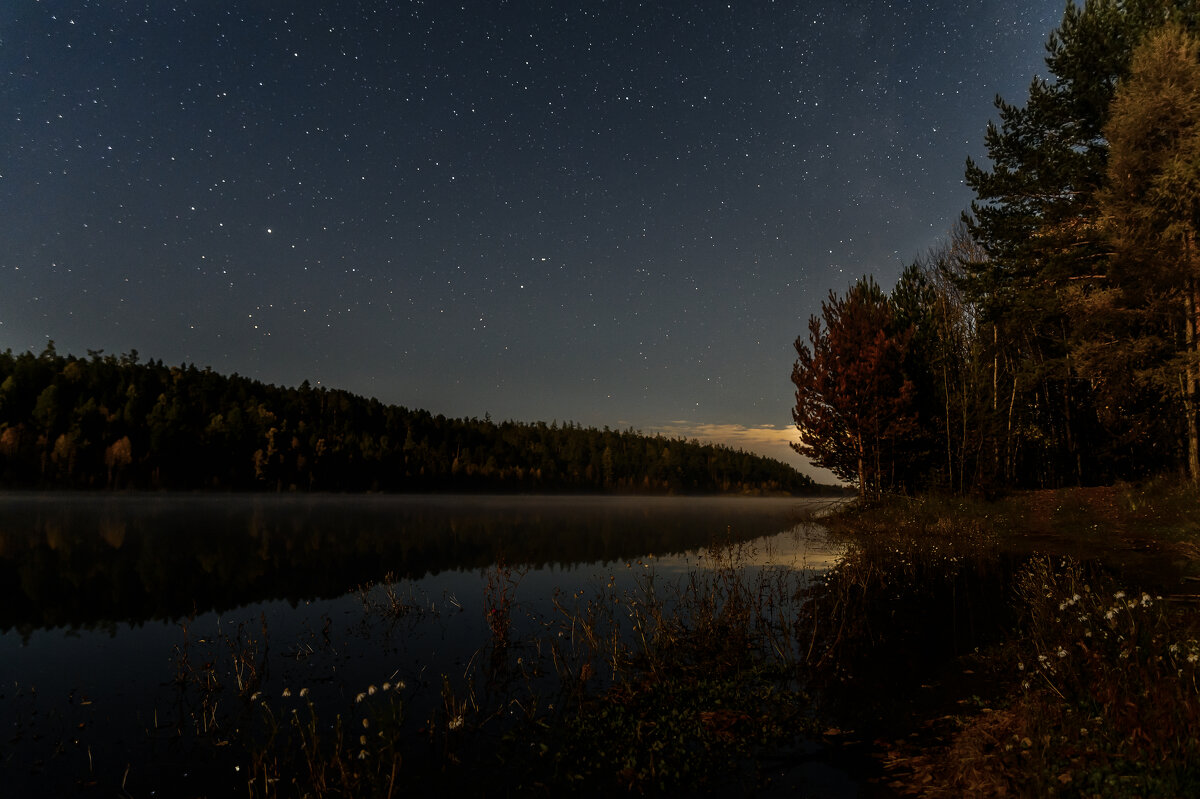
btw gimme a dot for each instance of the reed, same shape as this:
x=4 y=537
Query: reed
x=663 y=687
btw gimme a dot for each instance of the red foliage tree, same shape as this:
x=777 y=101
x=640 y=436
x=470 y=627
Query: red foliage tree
x=854 y=404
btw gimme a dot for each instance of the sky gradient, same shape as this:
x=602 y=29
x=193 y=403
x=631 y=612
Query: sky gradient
x=613 y=213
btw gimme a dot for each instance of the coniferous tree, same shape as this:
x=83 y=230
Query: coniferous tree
x=1036 y=215
x=1151 y=210
x=117 y=423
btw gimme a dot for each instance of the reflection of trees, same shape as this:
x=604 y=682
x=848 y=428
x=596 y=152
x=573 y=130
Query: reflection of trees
x=88 y=561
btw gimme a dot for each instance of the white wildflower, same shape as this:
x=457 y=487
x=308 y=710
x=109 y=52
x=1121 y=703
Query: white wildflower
x=303 y=692
x=456 y=722
x=1062 y=653
x=360 y=697
x=1119 y=595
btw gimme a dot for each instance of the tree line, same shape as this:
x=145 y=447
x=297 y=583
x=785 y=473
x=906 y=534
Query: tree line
x=113 y=422
x=1053 y=338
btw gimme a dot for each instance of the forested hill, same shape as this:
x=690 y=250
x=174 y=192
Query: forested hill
x=112 y=422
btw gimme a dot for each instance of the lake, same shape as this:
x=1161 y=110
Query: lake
x=126 y=620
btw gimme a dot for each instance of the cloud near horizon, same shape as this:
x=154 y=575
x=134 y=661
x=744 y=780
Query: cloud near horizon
x=765 y=439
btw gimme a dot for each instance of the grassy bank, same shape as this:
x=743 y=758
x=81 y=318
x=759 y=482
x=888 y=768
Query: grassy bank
x=1047 y=644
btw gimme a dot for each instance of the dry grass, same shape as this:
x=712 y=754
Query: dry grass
x=661 y=687
x=1091 y=689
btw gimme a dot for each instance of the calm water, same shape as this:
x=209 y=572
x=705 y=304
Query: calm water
x=102 y=598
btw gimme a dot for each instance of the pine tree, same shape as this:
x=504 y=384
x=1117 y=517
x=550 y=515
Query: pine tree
x=1036 y=215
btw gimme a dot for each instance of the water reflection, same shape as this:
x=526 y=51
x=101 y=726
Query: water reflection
x=102 y=597
x=91 y=561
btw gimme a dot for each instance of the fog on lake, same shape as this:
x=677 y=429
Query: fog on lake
x=101 y=596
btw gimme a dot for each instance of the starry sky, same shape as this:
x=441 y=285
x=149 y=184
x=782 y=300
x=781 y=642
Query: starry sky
x=615 y=213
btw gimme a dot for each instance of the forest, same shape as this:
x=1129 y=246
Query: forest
x=111 y=422
x=1051 y=339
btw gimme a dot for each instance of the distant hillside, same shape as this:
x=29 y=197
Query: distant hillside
x=112 y=422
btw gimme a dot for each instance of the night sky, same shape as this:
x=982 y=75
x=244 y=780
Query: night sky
x=615 y=213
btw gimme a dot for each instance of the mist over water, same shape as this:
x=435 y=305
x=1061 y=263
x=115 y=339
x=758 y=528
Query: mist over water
x=79 y=561
x=100 y=594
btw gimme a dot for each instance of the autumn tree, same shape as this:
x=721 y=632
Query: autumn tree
x=1037 y=216
x=117 y=457
x=1151 y=212
x=853 y=402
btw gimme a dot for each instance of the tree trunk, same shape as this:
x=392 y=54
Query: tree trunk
x=949 y=443
x=1189 y=402
x=1008 y=436
x=862 y=478
x=996 y=400
x=1068 y=423
x=877 y=483
x=964 y=406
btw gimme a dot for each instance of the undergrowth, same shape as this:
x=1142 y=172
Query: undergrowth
x=1092 y=687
